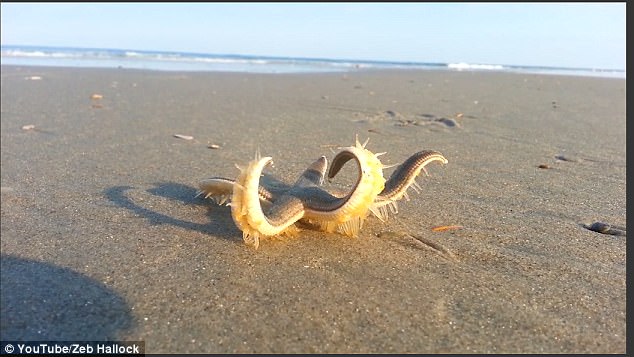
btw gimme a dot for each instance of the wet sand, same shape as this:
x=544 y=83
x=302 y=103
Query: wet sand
x=102 y=237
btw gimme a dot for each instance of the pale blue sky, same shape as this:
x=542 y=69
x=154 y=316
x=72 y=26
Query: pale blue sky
x=567 y=35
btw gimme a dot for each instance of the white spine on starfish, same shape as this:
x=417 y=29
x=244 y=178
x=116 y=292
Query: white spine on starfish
x=382 y=208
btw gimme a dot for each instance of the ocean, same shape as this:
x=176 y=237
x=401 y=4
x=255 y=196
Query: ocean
x=181 y=61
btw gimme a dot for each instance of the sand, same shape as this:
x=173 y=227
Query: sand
x=102 y=237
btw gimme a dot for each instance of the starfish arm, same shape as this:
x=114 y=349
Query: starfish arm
x=322 y=206
x=404 y=177
x=247 y=211
x=314 y=174
x=220 y=189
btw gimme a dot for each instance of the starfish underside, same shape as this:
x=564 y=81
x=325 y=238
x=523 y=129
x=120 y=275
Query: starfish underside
x=262 y=206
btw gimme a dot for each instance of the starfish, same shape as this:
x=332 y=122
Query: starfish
x=262 y=206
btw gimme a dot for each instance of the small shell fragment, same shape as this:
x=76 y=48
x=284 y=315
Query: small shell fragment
x=605 y=228
x=213 y=146
x=184 y=137
x=6 y=189
x=448 y=122
x=28 y=127
x=565 y=158
x=33 y=78
x=96 y=96
x=445 y=228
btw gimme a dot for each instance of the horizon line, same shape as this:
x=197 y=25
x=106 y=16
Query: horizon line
x=326 y=59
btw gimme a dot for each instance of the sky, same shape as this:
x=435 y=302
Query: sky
x=573 y=35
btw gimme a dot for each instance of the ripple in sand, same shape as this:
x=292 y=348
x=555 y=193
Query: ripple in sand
x=422 y=242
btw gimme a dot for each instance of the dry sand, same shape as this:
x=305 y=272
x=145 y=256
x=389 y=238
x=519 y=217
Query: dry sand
x=102 y=237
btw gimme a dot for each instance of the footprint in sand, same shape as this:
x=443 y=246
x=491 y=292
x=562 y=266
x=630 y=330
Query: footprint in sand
x=392 y=117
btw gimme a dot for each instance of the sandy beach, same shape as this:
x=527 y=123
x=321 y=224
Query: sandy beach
x=102 y=237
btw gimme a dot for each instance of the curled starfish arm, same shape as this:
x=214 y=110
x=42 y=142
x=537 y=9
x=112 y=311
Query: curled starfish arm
x=247 y=211
x=401 y=179
x=280 y=211
x=369 y=183
x=345 y=213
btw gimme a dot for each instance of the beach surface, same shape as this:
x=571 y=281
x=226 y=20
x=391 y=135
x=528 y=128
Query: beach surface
x=102 y=237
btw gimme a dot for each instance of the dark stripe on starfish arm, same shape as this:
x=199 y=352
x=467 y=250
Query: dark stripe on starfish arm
x=314 y=174
x=339 y=160
x=405 y=173
x=319 y=200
